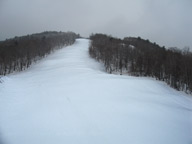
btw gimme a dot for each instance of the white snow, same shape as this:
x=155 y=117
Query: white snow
x=67 y=98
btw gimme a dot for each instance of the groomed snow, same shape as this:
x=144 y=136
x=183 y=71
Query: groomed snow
x=67 y=98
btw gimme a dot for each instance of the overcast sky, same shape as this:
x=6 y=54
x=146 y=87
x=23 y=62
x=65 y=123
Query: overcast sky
x=166 y=22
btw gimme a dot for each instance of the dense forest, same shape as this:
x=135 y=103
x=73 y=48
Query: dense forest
x=139 y=57
x=19 y=53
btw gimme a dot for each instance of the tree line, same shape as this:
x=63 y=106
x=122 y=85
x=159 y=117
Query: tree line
x=19 y=53
x=139 y=57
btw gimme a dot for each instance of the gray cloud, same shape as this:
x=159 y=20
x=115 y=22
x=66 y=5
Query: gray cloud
x=166 y=22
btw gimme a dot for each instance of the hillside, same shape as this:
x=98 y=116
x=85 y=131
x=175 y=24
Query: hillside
x=68 y=98
x=139 y=57
x=17 y=54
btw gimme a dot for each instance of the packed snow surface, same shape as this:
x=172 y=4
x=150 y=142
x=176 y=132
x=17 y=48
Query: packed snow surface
x=68 y=98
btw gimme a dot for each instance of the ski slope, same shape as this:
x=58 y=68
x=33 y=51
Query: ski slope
x=67 y=98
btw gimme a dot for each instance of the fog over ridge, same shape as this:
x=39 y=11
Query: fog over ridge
x=166 y=22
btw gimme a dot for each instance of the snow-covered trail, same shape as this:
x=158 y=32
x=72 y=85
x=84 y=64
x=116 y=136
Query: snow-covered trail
x=67 y=98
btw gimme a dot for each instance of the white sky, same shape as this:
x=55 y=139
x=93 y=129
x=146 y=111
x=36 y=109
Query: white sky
x=166 y=22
